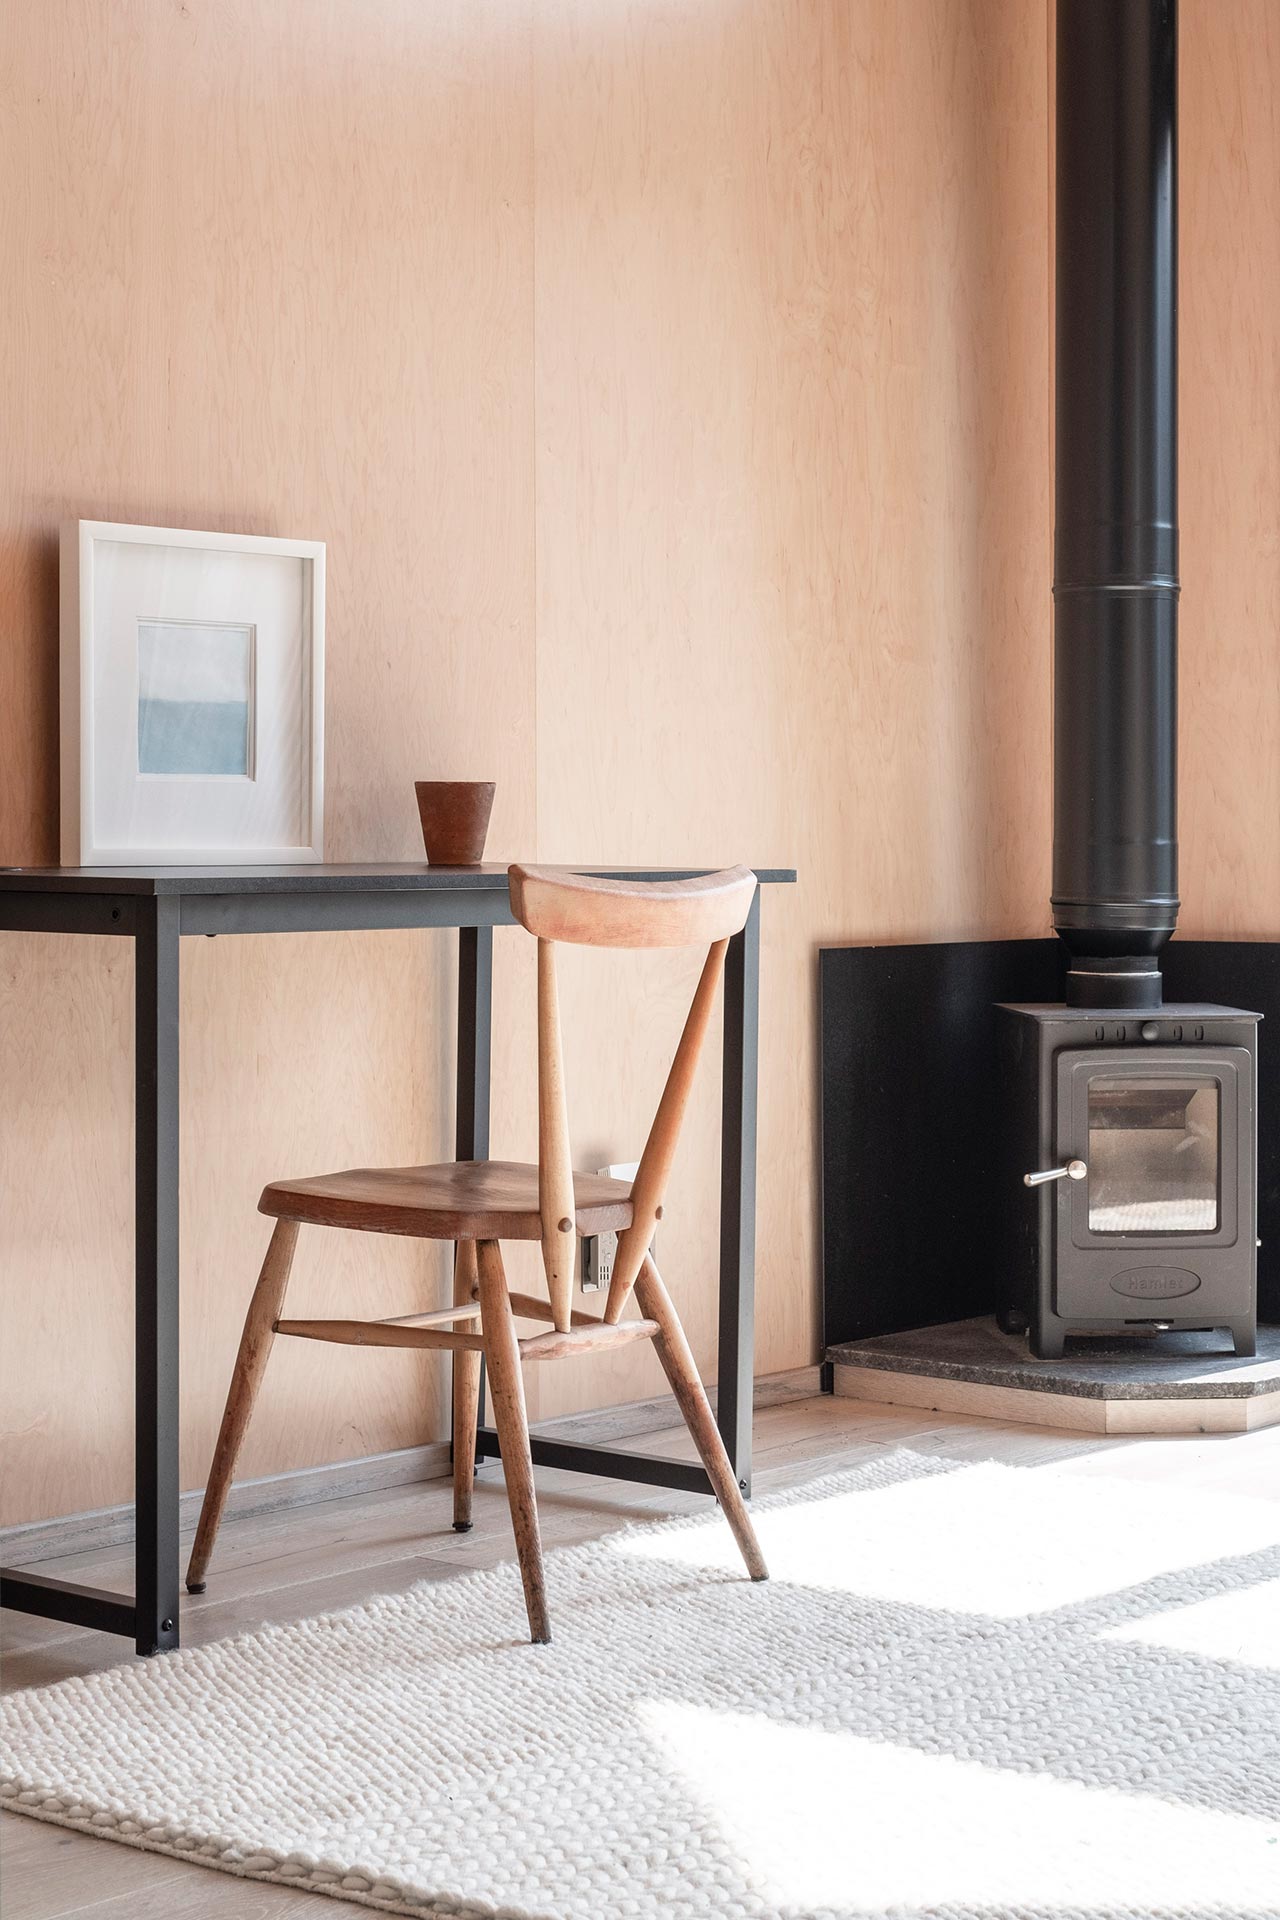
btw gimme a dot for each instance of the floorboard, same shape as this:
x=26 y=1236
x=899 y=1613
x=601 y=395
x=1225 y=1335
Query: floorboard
x=284 y=1566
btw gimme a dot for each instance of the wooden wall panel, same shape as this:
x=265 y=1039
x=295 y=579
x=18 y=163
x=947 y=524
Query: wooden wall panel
x=1229 y=472
x=792 y=511
x=267 y=268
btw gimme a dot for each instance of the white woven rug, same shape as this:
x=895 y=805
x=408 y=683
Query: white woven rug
x=968 y=1691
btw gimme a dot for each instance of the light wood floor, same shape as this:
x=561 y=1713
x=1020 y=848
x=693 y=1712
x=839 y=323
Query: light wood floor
x=283 y=1567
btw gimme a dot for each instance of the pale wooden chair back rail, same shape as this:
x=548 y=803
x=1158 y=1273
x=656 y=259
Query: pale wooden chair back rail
x=580 y=909
x=477 y=1204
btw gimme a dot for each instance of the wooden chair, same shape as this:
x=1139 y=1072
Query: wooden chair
x=480 y=1203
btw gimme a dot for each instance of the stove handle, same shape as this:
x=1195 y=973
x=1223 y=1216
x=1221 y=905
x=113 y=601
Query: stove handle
x=1074 y=1170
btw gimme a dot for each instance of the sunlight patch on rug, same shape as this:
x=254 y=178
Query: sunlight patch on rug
x=1061 y=1539
x=1243 y=1627
x=935 y=1834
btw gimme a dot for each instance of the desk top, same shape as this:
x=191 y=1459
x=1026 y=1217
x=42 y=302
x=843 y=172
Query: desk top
x=319 y=877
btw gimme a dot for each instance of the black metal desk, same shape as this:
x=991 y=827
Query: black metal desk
x=154 y=907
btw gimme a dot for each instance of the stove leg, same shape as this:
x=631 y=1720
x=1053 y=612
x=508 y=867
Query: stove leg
x=1047 y=1343
x=1244 y=1337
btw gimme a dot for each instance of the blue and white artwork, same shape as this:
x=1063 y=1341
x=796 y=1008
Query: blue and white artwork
x=195 y=698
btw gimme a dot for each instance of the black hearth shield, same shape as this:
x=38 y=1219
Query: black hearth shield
x=1115 y=851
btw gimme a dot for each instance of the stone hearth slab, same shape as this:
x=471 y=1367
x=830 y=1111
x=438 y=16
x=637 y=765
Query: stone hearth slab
x=1177 y=1383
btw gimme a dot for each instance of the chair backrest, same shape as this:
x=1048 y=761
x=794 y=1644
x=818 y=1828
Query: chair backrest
x=589 y=912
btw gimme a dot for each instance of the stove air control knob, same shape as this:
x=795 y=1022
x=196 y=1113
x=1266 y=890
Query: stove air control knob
x=1149 y=1030
x=1074 y=1170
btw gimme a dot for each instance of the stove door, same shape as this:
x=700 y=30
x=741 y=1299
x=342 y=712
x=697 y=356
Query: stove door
x=1159 y=1130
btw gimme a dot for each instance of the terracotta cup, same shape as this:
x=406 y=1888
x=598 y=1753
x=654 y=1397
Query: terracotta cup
x=455 y=820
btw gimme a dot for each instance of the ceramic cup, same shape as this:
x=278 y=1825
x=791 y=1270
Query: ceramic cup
x=455 y=820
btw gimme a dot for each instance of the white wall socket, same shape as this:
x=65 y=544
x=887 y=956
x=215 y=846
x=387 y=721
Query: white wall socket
x=599 y=1249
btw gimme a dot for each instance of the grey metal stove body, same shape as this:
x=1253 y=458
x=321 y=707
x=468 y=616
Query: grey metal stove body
x=1126 y=1171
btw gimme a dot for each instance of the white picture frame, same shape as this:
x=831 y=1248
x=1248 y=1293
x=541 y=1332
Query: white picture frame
x=192 y=697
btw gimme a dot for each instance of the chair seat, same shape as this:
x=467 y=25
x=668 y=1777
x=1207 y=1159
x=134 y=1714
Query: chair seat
x=458 y=1200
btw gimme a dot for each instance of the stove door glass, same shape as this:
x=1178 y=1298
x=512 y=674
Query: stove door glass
x=1154 y=1154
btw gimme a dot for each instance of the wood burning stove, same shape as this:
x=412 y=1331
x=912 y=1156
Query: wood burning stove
x=1129 y=1156
x=1134 y=1139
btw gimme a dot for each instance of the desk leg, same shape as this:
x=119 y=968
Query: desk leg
x=475 y=1007
x=738 y=1194
x=156 y=1273
x=475 y=1022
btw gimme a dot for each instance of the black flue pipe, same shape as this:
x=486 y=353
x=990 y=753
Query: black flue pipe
x=1115 y=848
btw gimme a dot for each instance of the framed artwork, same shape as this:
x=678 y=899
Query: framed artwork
x=192 y=683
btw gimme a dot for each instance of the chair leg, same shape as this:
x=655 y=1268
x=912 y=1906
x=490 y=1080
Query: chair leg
x=507 y=1389
x=251 y=1360
x=677 y=1362
x=466 y=1396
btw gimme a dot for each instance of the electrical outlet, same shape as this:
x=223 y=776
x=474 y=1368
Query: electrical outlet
x=600 y=1249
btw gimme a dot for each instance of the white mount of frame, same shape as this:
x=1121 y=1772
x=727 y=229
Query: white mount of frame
x=192 y=689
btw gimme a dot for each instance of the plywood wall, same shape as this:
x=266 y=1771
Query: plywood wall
x=266 y=268
x=669 y=379
x=793 y=540
x=1229 y=505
